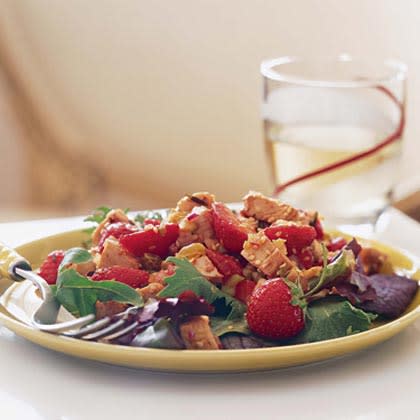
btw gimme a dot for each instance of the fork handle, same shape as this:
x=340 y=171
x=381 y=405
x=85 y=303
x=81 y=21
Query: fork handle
x=9 y=261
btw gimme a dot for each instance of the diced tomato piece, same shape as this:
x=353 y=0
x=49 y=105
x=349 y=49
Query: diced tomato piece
x=225 y=264
x=227 y=228
x=297 y=237
x=130 y=276
x=244 y=290
x=336 y=244
x=153 y=241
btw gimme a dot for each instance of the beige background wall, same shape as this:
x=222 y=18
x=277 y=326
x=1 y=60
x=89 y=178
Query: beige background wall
x=166 y=93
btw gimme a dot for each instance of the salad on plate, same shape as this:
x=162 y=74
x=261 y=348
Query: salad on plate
x=208 y=276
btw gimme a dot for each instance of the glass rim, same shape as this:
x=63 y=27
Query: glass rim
x=399 y=71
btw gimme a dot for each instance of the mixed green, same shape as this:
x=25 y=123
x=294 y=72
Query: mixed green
x=202 y=276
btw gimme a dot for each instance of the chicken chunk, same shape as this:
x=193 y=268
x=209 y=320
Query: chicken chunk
x=204 y=265
x=197 y=334
x=150 y=291
x=187 y=203
x=371 y=260
x=109 y=308
x=84 y=268
x=116 y=215
x=266 y=256
x=197 y=226
x=267 y=209
x=114 y=254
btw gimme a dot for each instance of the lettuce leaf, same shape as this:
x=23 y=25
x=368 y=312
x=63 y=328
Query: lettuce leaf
x=332 y=317
x=74 y=256
x=78 y=294
x=187 y=277
x=393 y=294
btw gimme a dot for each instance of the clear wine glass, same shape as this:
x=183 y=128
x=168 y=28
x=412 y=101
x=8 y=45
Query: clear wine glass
x=333 y=132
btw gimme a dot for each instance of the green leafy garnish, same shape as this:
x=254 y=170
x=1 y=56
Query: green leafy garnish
x=343 y=264
x=332 y=318
x=98 y=215
x=78 y=294
x=75 y=256
x=221 y=326
x=142 y=216
x=187 y=277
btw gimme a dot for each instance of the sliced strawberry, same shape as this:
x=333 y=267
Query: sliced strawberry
x=153 y=241
x=336 y=244
x=306 y=258
x=227 y=228
x=154 y=222
x=225 y=264
x=297 y=237
x=49 y=268
x=116 y=230
x=244 y=290
x=319 y=229
x=130 y=276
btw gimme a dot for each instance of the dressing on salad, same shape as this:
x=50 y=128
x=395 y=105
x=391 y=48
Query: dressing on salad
x=203 y=276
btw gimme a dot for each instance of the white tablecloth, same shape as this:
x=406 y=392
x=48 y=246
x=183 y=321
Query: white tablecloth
x=379 y=383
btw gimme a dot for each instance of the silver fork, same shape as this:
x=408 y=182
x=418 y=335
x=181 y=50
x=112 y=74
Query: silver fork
x=17 y=268
x=108 y=328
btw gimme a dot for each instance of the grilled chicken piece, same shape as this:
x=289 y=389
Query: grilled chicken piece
x=116 y=215
x=84 y=268
x=150 y=291
x=197 y=334
x=371 y=260
x=109 y=308
x=197 y=226
x=263 y=254
x=204 y=229
x=267 y=209
x=204 y=265
x=114 y=254
x=187 y=203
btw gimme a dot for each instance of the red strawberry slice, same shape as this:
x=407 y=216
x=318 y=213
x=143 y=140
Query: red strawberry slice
x=116 y=230
x=227 y=228
x=153 y=241
x=319 y=229
x=130 y=276
x=244 y=290
x=306 y=258
x=225 y=264
x=297 y=237
x=49 y=268
x=336 y=244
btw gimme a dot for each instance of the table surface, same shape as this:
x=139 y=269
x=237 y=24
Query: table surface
x=379 y=383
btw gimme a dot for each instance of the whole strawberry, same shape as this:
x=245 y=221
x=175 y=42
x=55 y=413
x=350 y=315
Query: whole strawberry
x=49 y=268
x=275 y=310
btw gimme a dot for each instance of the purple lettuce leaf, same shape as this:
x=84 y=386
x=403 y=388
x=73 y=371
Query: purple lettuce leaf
x=354 y=246
x=393 y=295
x=240 y=341
x=174 y=309
x=357 y=288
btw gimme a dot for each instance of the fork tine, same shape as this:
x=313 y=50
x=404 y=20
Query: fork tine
x=105 y=331
x=121 y=332
x=64 y=326
x=89 y=329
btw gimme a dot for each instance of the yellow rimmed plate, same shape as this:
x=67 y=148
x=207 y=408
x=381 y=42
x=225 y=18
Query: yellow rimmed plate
x=208 y=361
